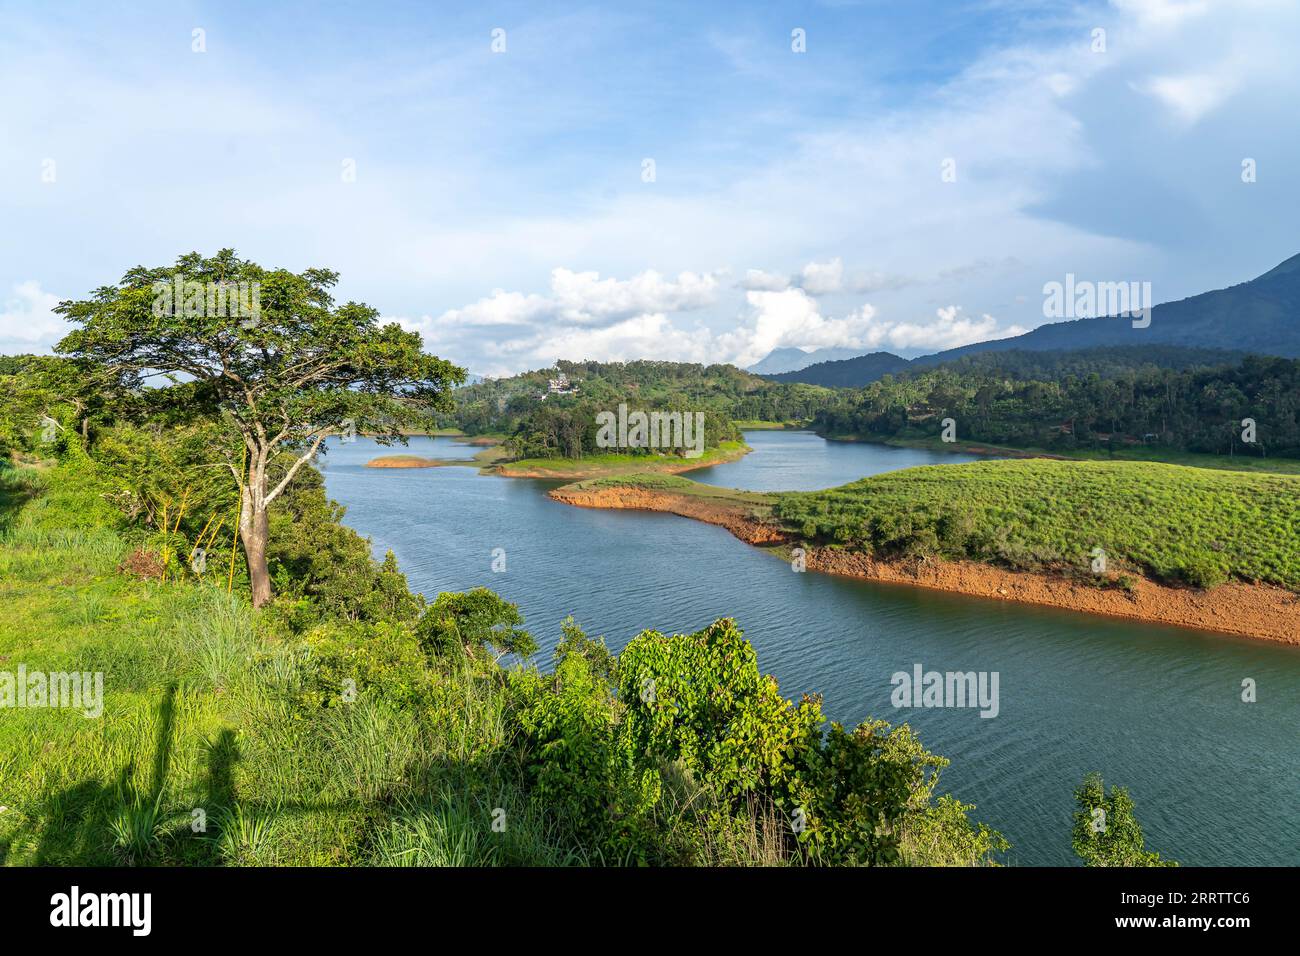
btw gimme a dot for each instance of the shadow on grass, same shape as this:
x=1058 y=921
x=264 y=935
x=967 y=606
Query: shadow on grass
x=98 y=822
x=17 y=487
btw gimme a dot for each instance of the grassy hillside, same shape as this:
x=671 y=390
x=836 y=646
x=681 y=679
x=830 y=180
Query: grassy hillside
x=1174 y=523
x=208 y=708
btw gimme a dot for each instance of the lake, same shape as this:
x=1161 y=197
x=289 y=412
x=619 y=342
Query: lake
x=1154 y=708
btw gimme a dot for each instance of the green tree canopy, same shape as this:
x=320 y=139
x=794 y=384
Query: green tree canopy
x=269 y=352
x=1106 y=830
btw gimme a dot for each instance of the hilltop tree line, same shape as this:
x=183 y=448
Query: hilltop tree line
x=521 y=405
x=1068 y=402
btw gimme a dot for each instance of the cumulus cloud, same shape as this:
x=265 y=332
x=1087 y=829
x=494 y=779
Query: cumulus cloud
x=760 y=281
x=27 y=319
x=585 y=299
x=792 y=318
x=585 y=317
x=822 y=278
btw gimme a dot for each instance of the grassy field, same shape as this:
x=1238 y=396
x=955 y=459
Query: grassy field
x=757 y=501
x=223 y=740
x=201 y=725
x=1170 y=522
x=1175 y=523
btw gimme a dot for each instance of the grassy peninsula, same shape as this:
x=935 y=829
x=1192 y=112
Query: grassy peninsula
x=1203 y=548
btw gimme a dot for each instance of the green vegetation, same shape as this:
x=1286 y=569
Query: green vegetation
x=290 y=701
x=352 y=723
x=282 y=374
x=1277 y=466
x=1181 y=525
x=613 y=464
x=756 y=502
x=1178 y=524
x=1106 y=830
x=1135 y=402
x=543 y=424
x=336 y=718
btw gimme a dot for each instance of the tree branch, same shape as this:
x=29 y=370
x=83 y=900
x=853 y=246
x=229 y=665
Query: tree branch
x=293 y=470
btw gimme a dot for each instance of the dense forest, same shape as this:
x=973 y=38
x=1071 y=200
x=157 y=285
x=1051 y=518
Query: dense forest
x=540 y=423
x=1085 y=400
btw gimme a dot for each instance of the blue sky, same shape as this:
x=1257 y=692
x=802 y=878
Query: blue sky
x=798 y=199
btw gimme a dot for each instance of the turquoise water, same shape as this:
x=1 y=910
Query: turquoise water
x=1156 y=709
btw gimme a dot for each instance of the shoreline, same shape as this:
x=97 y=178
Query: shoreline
x=576 y=470
x=1242 y=463
x=1259 y=611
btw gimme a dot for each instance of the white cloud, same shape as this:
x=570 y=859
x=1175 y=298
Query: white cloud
x=952 y=330
x=27 y=319
x=585 y=299
x=1190 y=96
x=792 y=318
x=563 y=324
x=499 y=308
x=1162 y=13
x=760 y=281
x=822 y=278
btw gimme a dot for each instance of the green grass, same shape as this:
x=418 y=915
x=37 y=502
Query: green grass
x=203 y=754
x=1172 y=522
x=677 y=485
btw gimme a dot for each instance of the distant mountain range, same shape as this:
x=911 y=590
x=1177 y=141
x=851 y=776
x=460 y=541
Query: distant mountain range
x=848 y=373
x=793 y=359
x=1261 y=316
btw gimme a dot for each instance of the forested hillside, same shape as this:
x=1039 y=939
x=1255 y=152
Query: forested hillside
x=542 y=423
x=1086 y=400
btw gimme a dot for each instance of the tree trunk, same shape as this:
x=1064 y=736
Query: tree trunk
x=254 y=530
x=253 y=533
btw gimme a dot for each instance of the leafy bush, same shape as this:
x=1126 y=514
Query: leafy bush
x=474 y=619
x=1106 y=831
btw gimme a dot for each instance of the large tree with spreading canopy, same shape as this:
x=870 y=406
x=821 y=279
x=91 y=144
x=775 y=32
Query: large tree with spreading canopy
x=269 y=352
